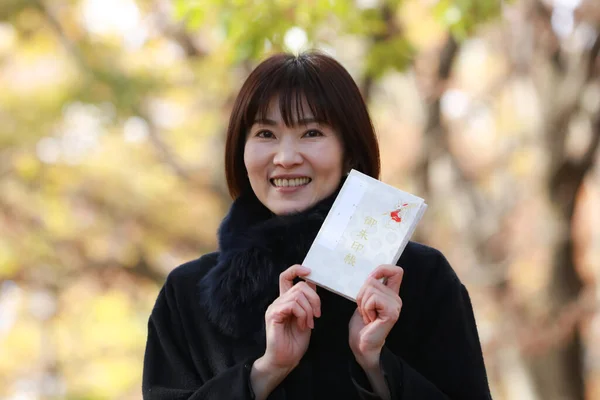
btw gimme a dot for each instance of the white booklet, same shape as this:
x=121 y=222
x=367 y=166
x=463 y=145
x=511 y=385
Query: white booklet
x=369 y=224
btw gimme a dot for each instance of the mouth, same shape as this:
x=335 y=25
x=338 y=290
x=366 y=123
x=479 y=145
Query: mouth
x=290 y=183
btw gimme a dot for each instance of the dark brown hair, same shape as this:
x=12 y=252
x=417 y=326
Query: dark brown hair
x=331 y=94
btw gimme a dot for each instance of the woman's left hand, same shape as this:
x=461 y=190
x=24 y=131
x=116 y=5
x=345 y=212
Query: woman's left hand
x=378 y=309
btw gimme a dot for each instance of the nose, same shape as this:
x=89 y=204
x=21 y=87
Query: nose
x=287 y=154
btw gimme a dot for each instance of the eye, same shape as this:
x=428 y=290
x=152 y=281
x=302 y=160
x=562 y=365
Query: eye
x=313 y=133
x=265 y=134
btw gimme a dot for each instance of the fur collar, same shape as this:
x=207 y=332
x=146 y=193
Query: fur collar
x=255 y=246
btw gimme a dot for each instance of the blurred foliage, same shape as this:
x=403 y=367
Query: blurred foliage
x=112 y=117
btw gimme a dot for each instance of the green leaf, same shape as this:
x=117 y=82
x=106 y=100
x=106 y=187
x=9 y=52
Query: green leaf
x=395 y=54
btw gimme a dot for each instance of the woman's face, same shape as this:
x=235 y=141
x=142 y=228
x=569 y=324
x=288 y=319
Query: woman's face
x=292 y=168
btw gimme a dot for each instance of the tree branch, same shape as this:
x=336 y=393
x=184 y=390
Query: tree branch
x=176 y=32
x=164 y=151
x=391 y=30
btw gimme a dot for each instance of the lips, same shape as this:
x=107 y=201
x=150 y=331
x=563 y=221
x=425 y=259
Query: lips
x=290 y=182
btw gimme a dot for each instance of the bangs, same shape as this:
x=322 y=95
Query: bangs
x=296 y=86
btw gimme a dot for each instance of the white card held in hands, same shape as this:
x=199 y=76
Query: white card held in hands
x=369 y=224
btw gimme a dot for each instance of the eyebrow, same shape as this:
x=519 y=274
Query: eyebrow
x=270 y=122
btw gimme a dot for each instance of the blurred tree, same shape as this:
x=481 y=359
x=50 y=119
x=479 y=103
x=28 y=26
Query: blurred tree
x=112 y=113
x=569 y=72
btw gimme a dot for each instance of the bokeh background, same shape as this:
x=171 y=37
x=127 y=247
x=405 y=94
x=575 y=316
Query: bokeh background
x=112 y=121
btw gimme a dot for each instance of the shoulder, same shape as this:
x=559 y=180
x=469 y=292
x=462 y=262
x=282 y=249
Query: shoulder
x=194 y=269
x=426 y=267
x=181 y=284
x=420 y=252
x=424 y=258
x=182 y=281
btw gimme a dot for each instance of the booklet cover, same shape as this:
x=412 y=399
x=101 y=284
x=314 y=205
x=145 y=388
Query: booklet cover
x=369 y=224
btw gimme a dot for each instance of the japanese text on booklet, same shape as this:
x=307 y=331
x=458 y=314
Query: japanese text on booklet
x=369 y=224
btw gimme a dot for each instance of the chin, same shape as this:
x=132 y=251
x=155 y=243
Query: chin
x=284 y=209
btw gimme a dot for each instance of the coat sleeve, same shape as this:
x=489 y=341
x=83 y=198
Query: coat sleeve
x=449 y=363
x=169 y=372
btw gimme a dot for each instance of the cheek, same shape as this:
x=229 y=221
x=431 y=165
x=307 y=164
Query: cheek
x=329 y=162
x=250 y=159
x=335 y=158
x=256 y=160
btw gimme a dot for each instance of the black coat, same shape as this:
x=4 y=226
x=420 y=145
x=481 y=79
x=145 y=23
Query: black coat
x=207 y=326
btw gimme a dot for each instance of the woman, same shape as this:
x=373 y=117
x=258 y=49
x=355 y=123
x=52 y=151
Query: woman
x=241 y=324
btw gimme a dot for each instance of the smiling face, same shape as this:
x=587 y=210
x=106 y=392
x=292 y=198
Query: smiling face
x=291 y=168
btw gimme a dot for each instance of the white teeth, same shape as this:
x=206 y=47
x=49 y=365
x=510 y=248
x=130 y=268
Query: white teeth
x=291 y=182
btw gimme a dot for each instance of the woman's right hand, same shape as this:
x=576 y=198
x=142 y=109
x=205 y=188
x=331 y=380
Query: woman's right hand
x=289 y=320
x=288 y=323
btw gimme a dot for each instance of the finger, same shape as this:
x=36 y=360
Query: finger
x=300 y=313
x=385 y=307
x=304 y=303
x=311 y=295
x=288 y=309
x=392 y=273
x=311 y=285
x=297 y=294
x=359 y=297
x=384 y=295
x=361 y=293
x=380 y=286
x=369 y=306
x=359 y=302
x=367 y=291
x=371 y=311
x=286 y=279
x=372 y=283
